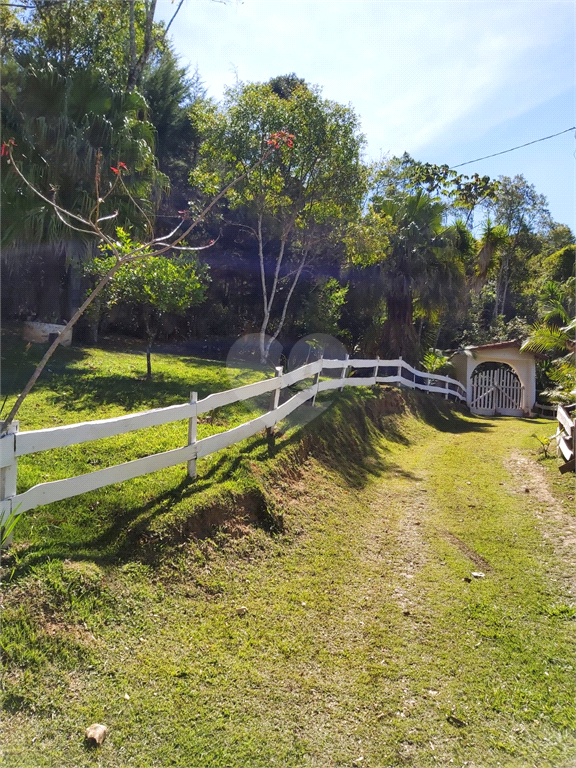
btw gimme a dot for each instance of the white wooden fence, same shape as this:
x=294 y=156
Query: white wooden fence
x=566 y=436
x=352 y=373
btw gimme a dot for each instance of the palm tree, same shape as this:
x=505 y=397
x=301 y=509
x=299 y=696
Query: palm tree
x=63 y=125
x=553 y=336
x=424 y=264
x=68 y=130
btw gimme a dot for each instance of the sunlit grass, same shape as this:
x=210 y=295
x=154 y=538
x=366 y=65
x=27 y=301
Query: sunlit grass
x=344 y=623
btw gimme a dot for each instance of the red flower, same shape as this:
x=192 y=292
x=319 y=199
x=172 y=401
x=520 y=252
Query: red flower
x=124 y=166
x=6 y=147
x=281 y=137
x=116 y=171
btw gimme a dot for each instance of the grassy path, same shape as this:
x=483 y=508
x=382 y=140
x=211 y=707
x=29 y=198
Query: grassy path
x=359 y=637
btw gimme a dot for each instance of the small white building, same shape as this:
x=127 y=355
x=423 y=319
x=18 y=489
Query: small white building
x=499 y=379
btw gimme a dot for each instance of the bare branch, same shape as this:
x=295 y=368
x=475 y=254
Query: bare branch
x=180 y=4
x=43 y=197
x=106 y=218
x=131 y=198
x=140 y=252
x=71 y=226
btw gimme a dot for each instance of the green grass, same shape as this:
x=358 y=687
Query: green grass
x=351 y=549
x=86 y=384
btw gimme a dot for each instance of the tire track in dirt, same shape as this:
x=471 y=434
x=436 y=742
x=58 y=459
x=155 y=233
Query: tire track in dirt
x=556 y=526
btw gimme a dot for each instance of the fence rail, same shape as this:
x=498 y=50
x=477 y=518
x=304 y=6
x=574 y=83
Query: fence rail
x=15 y=444
x=565 y=436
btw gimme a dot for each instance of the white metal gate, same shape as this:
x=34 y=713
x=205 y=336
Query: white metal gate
x=496 y=390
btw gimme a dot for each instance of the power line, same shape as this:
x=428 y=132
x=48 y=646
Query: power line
x=545 y=138
x=30 y=7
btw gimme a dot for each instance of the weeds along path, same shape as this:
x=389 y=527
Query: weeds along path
x=360 y=636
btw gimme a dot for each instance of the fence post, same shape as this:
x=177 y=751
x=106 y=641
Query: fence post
x=274 y=400
x=400 y=369
x=8 y=475
x=192 y=432
x=317 y=380
x=344 y=371
x=376 y=367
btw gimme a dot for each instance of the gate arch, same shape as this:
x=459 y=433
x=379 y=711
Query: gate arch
x=522 y=364
x=495 y=389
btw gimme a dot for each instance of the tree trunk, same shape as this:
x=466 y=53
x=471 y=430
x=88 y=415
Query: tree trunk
x=268 y=300
x=399 y=337
x=137 y=64
x=150 y=336
x=148 y=364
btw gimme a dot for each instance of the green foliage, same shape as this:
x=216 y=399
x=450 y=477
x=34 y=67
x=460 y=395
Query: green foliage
x=421 y=262
x=460 y=194
x=559 y=266
x=553 y=336
x=71 y=130
x=435 y=361
x=153 y=286
x=367 y=241
x=161 y=284
x=76 y=35
x=320 y=177
x=519 y=207
x=169 y=94
x=493 y=240
x=8 y=525
x=322 y=312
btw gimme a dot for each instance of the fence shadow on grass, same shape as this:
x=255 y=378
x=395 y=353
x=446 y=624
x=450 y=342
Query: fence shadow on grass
x=444 y=416
x=350 y=439
x=132 y=392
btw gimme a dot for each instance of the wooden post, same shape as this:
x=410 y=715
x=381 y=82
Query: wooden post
x=8 y=475
x=192 y=432
x=274 y=401
x=376 y=367
x=400 y=369
x=344 y=371
x=316 y=382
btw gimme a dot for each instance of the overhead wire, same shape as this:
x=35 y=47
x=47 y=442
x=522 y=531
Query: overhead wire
x=544 y=138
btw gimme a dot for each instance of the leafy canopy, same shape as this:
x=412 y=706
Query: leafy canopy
x=318 y=178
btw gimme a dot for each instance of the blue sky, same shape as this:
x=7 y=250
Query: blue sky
x=446 y=80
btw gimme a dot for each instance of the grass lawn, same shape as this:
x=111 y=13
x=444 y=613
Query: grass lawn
x=317 y=607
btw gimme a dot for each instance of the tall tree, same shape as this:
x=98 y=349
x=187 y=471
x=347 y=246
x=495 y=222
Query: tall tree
x=117 y=37
x=460 y=194
x=419 y=266
x=520 y=215
x=316 y=177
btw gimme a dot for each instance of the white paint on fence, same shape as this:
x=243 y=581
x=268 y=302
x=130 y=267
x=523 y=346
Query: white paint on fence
x=15 y=444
